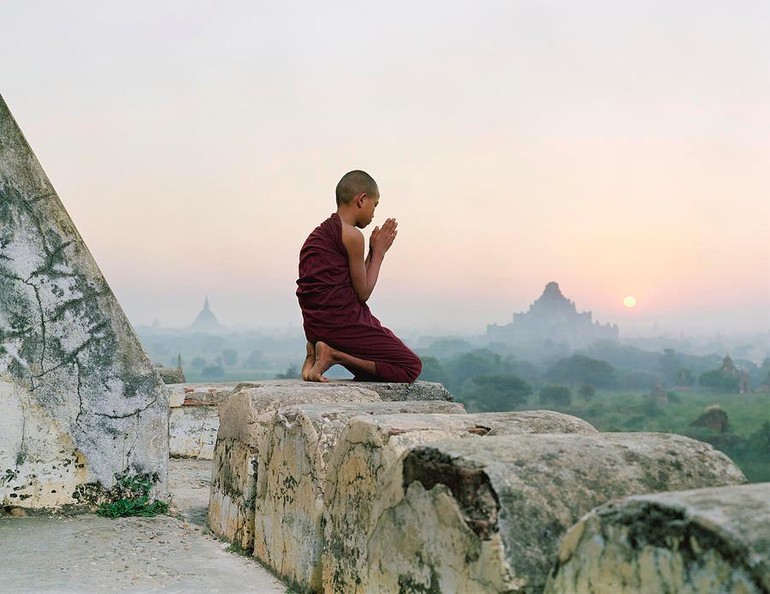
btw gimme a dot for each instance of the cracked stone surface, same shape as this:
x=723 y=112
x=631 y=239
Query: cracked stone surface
x=288 y=510
x=244 y=422
x=703 y=541
x=486 y=515
x=193 y=431
x=368 y=451
x=388 y=391
x=80 y=400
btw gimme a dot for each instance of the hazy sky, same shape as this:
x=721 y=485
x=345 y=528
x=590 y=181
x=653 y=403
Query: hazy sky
x=616 y=147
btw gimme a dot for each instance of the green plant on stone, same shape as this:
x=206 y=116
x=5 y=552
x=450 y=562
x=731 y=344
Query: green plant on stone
x=130 y=496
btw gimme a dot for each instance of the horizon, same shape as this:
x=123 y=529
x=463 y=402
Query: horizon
x=655 y=331
x=619 y=149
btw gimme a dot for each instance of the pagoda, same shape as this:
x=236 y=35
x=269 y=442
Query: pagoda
x=554 y=319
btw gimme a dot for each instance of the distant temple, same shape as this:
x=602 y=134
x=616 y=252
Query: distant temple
x=552 y=318
x=741 y=377
x=206 y=321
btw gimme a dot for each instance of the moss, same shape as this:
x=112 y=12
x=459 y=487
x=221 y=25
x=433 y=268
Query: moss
x=470 y=487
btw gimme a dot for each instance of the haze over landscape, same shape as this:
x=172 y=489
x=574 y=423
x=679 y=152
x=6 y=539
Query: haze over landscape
x=618 y=148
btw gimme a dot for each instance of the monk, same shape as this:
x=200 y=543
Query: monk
x=335 y=282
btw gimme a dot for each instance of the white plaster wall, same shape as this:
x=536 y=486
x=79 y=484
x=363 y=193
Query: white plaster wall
x=39 y=465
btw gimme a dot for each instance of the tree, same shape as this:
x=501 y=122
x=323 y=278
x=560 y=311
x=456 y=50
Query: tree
x=684 y=377
x=669 y=366
x=556 y=396
x=587 y=392
x=719 y=381
x=213 y=372
x=255 y=359
x=291 y=373
x=471 y=365
x=579 y=369
x=432 y=370
x=641 y=380
x=230 y=356
x=198 y=363
x=500 y=392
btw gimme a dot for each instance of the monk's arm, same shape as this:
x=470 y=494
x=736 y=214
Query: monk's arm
x=363 y=273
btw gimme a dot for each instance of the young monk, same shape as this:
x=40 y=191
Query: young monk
x=335 y=281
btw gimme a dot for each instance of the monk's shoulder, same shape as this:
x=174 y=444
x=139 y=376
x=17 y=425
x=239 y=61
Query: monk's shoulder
x=352 y=237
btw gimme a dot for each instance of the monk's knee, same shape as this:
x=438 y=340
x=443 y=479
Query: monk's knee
x=413 y=370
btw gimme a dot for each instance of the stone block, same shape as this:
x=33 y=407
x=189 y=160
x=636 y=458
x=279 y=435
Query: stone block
x=289 y=497
x=364 y=456
x=79 y=398
x=388 y=391
x=703 y=541
x=201 y=394
x=193 y=431
x=245 y=419
x=487 y=515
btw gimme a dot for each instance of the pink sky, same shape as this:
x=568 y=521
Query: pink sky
x=618 y=148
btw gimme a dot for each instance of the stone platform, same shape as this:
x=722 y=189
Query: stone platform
x=338 y=491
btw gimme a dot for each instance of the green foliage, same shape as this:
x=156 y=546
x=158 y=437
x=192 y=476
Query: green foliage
x=213 y=372
x=198 y=363
x=587 y=392
x=291 y=373
x=718 y=381
x=230 y=356
x=432 y=369
x=580 y=369
x=255 y=359
x=474 y=364
x=555 y=396
x=130 y=496
x=500 y=392
x=685 y=377
x=640 y=380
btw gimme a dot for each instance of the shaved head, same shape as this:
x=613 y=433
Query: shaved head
x=353 y=183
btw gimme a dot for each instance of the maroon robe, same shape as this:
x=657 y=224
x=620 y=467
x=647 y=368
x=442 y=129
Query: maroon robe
x=333 y=314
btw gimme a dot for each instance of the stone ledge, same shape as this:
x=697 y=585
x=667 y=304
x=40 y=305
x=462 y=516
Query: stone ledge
x=705 y=541
x=487 y=515
x=291 y=475
x=245 y=420
x=367 y=454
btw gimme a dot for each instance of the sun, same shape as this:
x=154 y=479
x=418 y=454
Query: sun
x=629 y=301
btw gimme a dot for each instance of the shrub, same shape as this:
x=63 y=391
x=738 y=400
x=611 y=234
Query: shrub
x=130 y=496
x=556 y=395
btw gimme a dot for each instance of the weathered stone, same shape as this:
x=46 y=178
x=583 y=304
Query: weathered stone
x=365 y=454
x=244 y=422
x=289 y=492
x=201 y=394
x=79 y=400
x=170 y=375
x=487 y=515
x=388 y=391
x=193 y=431
x=714 y=418
x=704 y=541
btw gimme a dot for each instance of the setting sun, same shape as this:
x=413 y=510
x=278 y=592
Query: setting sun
x=629 y=301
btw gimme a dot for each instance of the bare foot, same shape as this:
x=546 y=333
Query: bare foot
x=309 y=361
x=324 y=359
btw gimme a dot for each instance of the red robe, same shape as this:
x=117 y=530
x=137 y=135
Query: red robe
x=332 y=313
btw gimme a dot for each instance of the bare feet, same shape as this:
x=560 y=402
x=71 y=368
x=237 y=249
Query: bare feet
x=324 y=359
x=309 y=361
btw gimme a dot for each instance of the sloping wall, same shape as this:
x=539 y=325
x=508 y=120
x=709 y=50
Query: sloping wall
x=79 y=399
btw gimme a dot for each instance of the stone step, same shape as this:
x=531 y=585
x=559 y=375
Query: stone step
x=487 y=515
x=703 y=541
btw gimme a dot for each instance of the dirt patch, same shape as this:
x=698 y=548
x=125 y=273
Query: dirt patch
x=88 y=553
